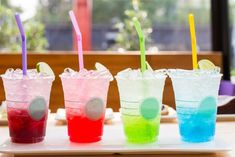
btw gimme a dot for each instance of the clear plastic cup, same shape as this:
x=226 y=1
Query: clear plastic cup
x=196 y=94
x=27 y=101
x=85 y=97
x=141 y=102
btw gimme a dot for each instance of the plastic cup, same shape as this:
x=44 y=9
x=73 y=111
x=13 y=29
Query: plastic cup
x=27 y=101
x=196 y=94
x=85 y=102
x=141 y=101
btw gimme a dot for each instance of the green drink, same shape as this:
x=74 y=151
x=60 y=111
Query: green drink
x=139 y=130
x=141 y=101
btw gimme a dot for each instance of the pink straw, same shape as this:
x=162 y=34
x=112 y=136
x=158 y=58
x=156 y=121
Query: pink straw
x=79 y=39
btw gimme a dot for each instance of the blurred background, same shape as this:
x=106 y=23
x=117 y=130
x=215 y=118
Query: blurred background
x=48 y=25
x=106 y=26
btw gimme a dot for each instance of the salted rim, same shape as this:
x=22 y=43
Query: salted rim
x=182 y=73
x=27 y=78
x=162 y=75
x=87 y=78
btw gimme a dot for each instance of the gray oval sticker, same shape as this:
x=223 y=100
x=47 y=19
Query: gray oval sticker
x=94 y=108
x=37 y=108
x=207 y=107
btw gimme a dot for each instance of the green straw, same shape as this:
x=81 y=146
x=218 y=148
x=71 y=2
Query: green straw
x=142 y=44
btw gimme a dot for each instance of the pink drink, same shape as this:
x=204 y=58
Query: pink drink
x=27 y=100
x=85 y=95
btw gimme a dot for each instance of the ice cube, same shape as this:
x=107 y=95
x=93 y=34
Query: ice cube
x=9 y=71
x=42 y=74
x=160 y=72
x=124 y=73
x=18 y=71
x=32 y=73
x=68 y=70
x=148 y=74
x=82 y=73
x=104 y=74
x=134 y=74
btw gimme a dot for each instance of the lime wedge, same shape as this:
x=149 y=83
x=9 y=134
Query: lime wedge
x=100 y=66
x=44 y=68
x=148 y=66
x=205 y=64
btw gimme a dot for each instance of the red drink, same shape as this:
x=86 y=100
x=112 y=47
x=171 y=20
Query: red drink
x=24 y=129
x=85 y=95
x=81 y=129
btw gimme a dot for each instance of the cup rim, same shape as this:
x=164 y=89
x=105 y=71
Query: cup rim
x=139 y=79
x=84 y=78
x=28 y=78
x=185 y=74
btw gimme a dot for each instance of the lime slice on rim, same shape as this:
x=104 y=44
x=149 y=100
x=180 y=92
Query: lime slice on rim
x=100 y=66
x=44 y=68
x=205 y=64
x=148 y=66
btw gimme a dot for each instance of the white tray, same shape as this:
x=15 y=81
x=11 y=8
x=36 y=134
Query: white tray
x=57 y=143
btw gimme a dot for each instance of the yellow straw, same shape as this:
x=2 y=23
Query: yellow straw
x=193 y=41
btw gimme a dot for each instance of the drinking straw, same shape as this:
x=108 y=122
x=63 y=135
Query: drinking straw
x=23 y=38
x=193 y=41
x=79 y=39
x=142 y=44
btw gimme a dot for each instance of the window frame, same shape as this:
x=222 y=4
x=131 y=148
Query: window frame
x=221 y=39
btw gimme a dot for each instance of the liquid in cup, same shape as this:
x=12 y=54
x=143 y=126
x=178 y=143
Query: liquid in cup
x=85 y=96
x=196 y=93
x=141 y=101
x=27 y=99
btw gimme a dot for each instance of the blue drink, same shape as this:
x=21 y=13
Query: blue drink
x=196 y=94
x=194 y=127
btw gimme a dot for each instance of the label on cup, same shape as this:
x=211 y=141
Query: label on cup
x=149 y=108
x=94 y=108
x=37 y=108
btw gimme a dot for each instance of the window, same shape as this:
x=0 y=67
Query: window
x=166 y=24
x=169 y=21
x=232 y=27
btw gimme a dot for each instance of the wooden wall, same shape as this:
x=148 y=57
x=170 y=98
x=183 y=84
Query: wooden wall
x=113 y=60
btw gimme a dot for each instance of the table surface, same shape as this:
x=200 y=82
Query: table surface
x=225 y=131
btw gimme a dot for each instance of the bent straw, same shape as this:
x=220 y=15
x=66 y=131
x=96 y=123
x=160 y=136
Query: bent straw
x=79 y=39
x=142 y=44
x=23 y=38
x=193 y=41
